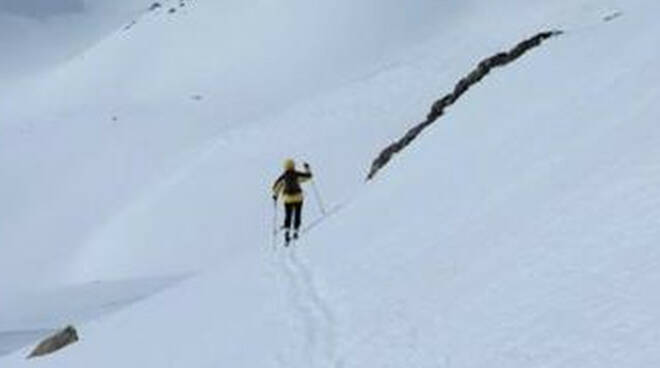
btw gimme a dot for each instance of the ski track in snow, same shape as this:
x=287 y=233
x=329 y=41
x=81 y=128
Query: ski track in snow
x=314 y=313
x=302 y=312
x=321 y=306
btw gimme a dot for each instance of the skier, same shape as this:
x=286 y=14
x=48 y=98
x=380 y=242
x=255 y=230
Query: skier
x=288 y=184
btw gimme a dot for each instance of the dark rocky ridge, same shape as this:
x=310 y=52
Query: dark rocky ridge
x=438 y=108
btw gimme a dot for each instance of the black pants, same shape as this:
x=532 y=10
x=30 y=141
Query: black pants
x=293 y=213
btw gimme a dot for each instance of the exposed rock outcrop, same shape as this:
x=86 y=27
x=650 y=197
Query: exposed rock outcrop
x=438 y=108
x=613 y=16
x=56 y=342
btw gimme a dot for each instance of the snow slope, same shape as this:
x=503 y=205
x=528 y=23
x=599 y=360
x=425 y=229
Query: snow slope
x=32 y=315
x=87 y=139
x=519 y=231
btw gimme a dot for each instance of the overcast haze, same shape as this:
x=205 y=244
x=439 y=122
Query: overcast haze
x=41 y=8
x=39 y=33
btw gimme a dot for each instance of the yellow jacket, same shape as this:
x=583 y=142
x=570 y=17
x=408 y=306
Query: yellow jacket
x=288 y=184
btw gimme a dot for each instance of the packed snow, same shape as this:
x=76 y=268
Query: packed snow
x=519 y=230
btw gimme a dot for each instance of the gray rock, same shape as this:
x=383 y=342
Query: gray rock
x=612 y=16
x=59 y=340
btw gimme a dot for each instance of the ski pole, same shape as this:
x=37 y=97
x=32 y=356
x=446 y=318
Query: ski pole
x=318 y=197
x=317 y=193
x=275 y=223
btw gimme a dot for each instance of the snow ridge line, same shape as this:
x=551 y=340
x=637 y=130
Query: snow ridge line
x=475 y=76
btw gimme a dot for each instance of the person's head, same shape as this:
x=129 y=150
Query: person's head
x=289 y=164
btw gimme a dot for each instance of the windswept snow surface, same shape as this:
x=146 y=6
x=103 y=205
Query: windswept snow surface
x=519 y=231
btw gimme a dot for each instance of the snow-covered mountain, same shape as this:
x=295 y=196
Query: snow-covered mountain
x=520 y=229
x=36 y=34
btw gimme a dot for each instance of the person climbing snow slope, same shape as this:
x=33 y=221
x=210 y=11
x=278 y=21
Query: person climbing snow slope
x=288 y=185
